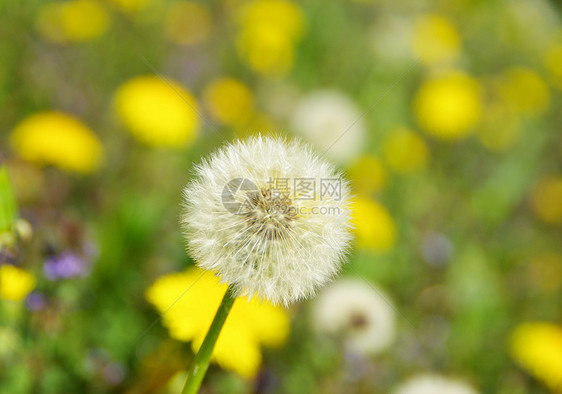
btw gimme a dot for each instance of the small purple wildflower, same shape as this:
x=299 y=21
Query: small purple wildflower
x=36 y=301
x=65 y=265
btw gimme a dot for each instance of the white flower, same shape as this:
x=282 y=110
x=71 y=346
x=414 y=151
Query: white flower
x=250 y=218
x=361 y=313
x=433 y=384
x=391 y=39
x=332 y=122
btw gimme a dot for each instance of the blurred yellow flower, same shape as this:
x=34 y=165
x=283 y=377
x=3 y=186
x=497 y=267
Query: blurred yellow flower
x=546 y=200
x=449 y=106
x=15 y=283
x=266 y=50
x=188 y=23
x=524 y=90
x=367 y=175
x=188 y=316
x=374 y=227
x=435 y=39
x=405 y=151
x=58 y=139
x=72 y=21
x=545 y=271
x=269 y=30
x=500 y=128
x=229 y=101
x=130 y=6
x=158 y=112
x=281 y=15
x=553 y=62
x=537 y=347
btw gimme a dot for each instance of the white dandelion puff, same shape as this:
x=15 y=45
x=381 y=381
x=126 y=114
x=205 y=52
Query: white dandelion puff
x=332 y=122
x=358 y=312
x=269 y=217
x=434 y=384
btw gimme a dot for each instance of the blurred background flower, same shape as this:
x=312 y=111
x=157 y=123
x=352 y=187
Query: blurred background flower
x=58 y=139
x=537 y=347
x=324 y=119
x=268 y=32
x=448 y=106
x=435 y=40
x=434 y=384
x=229 y=101
x=188 y=23
x=361 y=314
x=374 y=226
x=157 y=111
x=15 y=283
x=405 y=151
x=250 y=325
x=72 y=21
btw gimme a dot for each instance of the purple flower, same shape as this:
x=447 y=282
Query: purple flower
x=65 y=265
x=36 y=301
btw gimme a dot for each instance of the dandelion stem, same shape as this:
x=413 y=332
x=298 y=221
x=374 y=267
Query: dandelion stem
x=200 y=365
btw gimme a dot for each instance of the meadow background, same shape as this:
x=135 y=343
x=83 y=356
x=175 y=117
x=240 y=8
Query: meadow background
x=445 y=116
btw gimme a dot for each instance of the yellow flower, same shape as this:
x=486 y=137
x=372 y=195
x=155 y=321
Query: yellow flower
x=229 y=101
x=546 y=198
x=130 y=6
x=435 y=39
x=405 y=151
x=72 y=21
x=15 y=283
x=269 y=30
x=367 y=175
x=58 y=139
x=553 y=62
x=266 y=50
x=281 y=15
x=158 y=112
x=524 y=90
x=251 y=323
x=188 y=23
x=537 y=347
x=449 y=106
x=374 y=227
x=501 y=127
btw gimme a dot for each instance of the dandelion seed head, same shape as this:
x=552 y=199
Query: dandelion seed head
x=359 y=312
x=247 y=218
x=434 y=384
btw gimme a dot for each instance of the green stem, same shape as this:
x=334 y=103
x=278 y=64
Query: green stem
x=201 y=363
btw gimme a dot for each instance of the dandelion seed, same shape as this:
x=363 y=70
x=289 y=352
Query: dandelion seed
x=269 y=217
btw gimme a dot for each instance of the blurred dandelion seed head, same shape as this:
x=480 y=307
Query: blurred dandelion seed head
x=434 y=384
x=332 y=122
x=359 y=312
x=249 y=218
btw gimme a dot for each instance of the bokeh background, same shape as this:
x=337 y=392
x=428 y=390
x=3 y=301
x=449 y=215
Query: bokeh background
x=445 y=116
